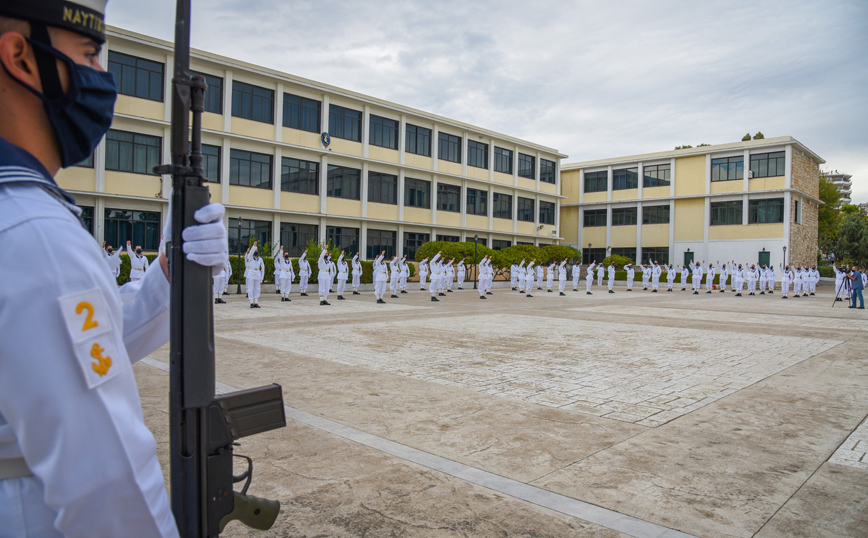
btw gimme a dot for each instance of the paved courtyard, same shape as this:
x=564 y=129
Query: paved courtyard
x=633 y=414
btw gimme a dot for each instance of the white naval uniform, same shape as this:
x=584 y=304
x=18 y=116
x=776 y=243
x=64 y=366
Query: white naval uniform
x=220 y=280
x=786 y=278
x=697 y=277
x=577 y=275
x=138 y=264
x=738 y=280
x=685 y=272
x=528 y=280
x=381 y=275
x=631 y=274
x=797 y=281
x=450 y=275
x=589 y=278
x=228 y=271
x=562 y=276
x=303 y=272
x=611 y=277
x=460 y=273
x=520 y=275
x=423 y=273
x=513 y=276
x=646 y=276
x=656 y=271
x=752 y=276
x=405 y=274
x=323 y=276
x=600 y=272
x=436 y=274
x=357 y=272
x=393 y=276
x=550 y=276
x=670 y=276
x=253 y=271
x=723 y=271
x=284 y=274
x=771 y=279
x=709 y=278
x=343 y=274
x=113 y=261
x=539 y=276
x=81 y=433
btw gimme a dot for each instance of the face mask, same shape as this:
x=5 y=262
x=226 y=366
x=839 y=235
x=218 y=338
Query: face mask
x=286 y=258
x=83 y=114
x=109 y=251
x=138 y=251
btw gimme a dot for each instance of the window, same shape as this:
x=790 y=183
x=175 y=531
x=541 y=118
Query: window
x=384 y=132
x=624 y=216
x=502 y=160
x=477 y=154
x=626 y=178
x=138 y=227
x=797 y=211
x=87 y=163
x=498 y=244
x=723 y=213
x=655 y=214
x=627 y=252
x=526 y=207
x=546 y=212
x=211 y=162
x=526 y=166
x=136 y=76
x=593 y=218
x=547 y=171
x=299 y=176
x=597 y=181
x=249 y=169
x=301 y=113
x=345 y=238
x=214 y=93
x=345 y=123
x=448 y=197
x=412 y=242
x=477 y=202
x=656 y=175
x=250 y=230
x=449 y=238
x=502 y=206
x=417 y=193
x=481 y=241
x=658 y=254
x=378 y=241
x=382 y=188
x=449 y=148
x=132 y=152
x=418 y=140
x=343 y=182
x=590 y=255
x=727 y=169
x=768 y=164
x=87 y=219
x=295 y=237
x=252 y=102
x=765 y=211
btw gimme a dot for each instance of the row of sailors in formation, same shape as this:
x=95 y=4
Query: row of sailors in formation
x=803 y=279
x=444 y=272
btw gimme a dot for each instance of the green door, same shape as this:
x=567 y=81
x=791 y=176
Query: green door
x=765 y=258
x=688 y=257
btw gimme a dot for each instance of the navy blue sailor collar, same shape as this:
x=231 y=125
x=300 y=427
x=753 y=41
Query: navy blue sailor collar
x=19 y=167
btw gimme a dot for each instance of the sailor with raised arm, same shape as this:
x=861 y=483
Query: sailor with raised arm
x=521 y=273
x=611 y=275
x=254 y=269
x=577 y=274
x=357 y=274
x=405 y=274
x=112 y=258
x=550 y=276
x=138 y=262
x=343 y=274
x=631 y=274
x=435 y=277
x=460 y=273
x=685 y=273
x=670 y=277
x=423 y=273
x=562 y=277
x=738 y=280
x=656 y=271
x=323 y=277
x=303 y=273
x=528 y=281
x=513 y=276
x=589 y=278
x=283 y=274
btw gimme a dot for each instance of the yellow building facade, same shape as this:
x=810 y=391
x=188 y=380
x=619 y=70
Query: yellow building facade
x=295 y=160
x=753 y=202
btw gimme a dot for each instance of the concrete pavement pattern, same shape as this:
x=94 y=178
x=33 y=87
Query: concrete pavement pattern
x=605 y=415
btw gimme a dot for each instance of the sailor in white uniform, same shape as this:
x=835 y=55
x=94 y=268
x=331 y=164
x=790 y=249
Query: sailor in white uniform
x=709 y=278
x=738 y=280
x=786 y=279
x=656 y=271
x=76 y=458
x=324 y=277
x=220 y=282
x=685 y=273
x=138 y=262
x=528 y=280
x=357 y=274
x=670 y=277
x=513 y=276
x=394 y=273
x=520 y=275
x=611 y=281
x=450 y=275
x=631 y=274
x=601 y=270
x=253 y=271
x=562 y=277
x=423 y=273
x=113 y=259
x=752 y=276
x=303 y=274
x=772 y=277
x=460 y=273
x=550 y=276
x=284 y=274
x=381 y=276
x=405 y=274
x=343 y=274
x=697 y=277
x=723 y=271
x=436 y=272
x=646 y=275
x=577 y=274
x=589 y=278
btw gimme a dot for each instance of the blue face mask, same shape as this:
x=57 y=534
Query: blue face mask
x=84 y=113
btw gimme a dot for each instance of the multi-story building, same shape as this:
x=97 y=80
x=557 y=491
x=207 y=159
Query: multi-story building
x=844 y=184
x=385 y=177
x=751 y=201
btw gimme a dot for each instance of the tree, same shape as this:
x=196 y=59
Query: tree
x=828 y=215
x=745 y=138
x=685 y=146
x=852 y=244
x=703 y=145
x=758 y=136
x=619 y=261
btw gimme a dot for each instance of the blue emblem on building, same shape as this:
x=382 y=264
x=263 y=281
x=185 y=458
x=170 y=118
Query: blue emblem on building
x=326 y=139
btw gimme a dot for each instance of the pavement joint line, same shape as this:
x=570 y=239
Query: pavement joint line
x=591 y=513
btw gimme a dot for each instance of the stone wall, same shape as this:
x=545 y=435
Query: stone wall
x=803 y=236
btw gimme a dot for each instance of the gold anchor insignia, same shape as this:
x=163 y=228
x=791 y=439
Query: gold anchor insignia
x=104 y=364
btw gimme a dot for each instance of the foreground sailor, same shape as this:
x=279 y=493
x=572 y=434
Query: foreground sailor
x=75 y=455
x=138 y=262
x=113 y=259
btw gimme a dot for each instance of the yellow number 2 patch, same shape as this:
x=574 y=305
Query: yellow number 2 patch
x=90 y=330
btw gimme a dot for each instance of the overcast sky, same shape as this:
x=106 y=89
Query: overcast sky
x=590 y=79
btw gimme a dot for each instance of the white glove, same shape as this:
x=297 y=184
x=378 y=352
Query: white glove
x=207 y=243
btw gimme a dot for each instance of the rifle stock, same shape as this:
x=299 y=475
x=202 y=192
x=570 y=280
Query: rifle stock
x=203 y=427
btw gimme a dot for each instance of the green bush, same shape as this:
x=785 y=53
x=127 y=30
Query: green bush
x=826 y=271
x=458 y=251
x=619 y=261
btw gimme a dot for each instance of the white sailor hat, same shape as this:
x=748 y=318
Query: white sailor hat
x=85 y=17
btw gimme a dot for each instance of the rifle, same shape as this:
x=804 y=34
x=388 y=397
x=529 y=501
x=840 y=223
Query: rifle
x=204 y=427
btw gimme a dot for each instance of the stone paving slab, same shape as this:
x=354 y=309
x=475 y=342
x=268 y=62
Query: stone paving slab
x=634 y=375
x=854 y=451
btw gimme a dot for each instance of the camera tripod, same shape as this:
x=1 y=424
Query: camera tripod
x=843 y=288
